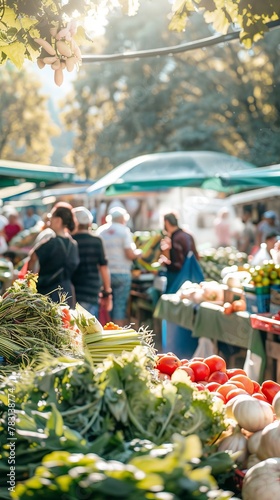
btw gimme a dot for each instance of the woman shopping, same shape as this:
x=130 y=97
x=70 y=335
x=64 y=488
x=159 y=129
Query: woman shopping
x=56 y=258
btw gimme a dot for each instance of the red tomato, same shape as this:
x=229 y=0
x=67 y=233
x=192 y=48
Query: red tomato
x=171 y=354
x=235 y=371
x=212 y=386
x=200 y=369
x=216 y=363
x=218 y=376
x=225 y=389
x=260 y=396
x=246 y=381
x=201 y=387
x=235 y=392
x=167 y=364
x=269 y=388
x=228 y=309
x=237 y=383
x=197 y=358
x=184 y=361
x=188 y=370
x=257 y=386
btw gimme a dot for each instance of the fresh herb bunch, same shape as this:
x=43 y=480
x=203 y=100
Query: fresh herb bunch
x=29 y=323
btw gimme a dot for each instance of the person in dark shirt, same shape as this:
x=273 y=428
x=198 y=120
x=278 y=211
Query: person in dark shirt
x=92 y=267
x=175 y=247
x=57 y=256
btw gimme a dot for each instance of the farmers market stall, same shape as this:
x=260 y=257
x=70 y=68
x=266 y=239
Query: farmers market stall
x=208 y=320
x=92 y=411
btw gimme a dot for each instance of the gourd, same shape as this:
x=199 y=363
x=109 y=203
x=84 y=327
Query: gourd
x=230 y=403
x=235 y=442
x=276 y=404
x=254 y=442
x=252 y=415
x=252 y=460
x=270 y=442
x=262 y=481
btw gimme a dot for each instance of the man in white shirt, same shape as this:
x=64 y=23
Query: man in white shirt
x=120 y=251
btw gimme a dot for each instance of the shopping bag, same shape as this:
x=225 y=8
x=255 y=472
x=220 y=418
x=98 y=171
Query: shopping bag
x=191 y=271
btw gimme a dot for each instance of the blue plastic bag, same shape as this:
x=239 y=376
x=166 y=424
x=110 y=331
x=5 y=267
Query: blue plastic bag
x=191 y=271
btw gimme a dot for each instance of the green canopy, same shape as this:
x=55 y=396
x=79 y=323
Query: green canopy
x=259 y=177
x=13 y=173
x=166 y=170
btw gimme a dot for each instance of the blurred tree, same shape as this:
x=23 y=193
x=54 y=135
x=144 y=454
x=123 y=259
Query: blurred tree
x=25 y=126
x=217 y=99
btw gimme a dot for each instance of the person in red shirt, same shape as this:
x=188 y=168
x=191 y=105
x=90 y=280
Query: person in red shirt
x=13 y=227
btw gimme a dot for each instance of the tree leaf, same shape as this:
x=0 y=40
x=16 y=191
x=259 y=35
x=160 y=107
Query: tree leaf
x=15 y=52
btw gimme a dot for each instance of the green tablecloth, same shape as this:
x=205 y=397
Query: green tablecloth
x=171 y=308
x=208 y=320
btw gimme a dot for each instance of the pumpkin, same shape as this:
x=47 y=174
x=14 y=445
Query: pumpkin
x=230 y=403
x=252 y=415
x=262 y=481
x=276 y=404
x=252 y=460
x=254 y=441
x=236 y=442
x=270 y=442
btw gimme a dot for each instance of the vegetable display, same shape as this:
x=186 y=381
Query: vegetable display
x=104 y=409
x=31 y=322
x=94 y=412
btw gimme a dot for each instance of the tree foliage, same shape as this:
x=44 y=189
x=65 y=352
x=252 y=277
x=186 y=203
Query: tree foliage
x=22 y=22
x=25 y=126
x=250 y=16
x=223 y=99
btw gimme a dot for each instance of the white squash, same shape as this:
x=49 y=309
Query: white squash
x=262 y=481
x=254 y=441
x=230 y=403
x=252 y=460
x=276 y=404
x=236 y=442
x=270 y=442
x=252 y=415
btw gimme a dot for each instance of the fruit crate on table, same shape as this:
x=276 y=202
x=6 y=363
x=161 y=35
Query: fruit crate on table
x=266 y=323
x=257 y=299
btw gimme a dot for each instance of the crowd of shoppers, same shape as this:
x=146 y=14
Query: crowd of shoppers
x=93 y=267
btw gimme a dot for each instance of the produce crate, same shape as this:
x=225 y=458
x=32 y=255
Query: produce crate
x=265 y=323
x=257 y=303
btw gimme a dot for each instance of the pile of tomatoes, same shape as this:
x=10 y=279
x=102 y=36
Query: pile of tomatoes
x=212 y=374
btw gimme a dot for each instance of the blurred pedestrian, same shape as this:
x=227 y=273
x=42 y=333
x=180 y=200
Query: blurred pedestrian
x=268 y=224
x=222 y=226
x=175 y=247
x=58 y=256
x=93 y=265
x=3 y=242
x=121 y=251
x=30 y=218
x=13 y=227
x=247 y=237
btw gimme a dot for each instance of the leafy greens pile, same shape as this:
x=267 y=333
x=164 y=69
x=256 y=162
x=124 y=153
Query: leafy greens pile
x=116 y=411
